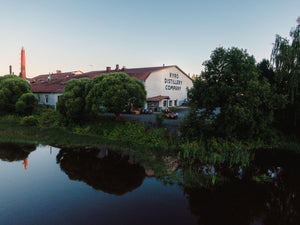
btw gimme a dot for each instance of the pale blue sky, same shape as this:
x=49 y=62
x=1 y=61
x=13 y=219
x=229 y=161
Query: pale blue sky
x=73 y=34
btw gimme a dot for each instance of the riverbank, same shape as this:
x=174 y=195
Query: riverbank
x=147 y=143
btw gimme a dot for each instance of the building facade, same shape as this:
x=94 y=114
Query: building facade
x=166 y=86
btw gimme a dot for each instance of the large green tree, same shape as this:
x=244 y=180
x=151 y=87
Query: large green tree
x=266 y=71
x=11 y=89
x=286 y=61
x=71 y=104
x=231 y=84
x=114 y=92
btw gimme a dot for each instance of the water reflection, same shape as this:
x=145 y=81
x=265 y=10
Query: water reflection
x=102 y=170
x=265 y=193
x=15 y=152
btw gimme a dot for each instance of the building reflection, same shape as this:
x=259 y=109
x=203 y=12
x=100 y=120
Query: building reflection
x=101 y=169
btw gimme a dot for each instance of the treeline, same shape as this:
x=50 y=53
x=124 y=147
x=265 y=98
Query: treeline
x=237 y=99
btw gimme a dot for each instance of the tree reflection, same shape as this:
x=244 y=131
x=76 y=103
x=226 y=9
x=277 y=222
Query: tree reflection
x=15 y=152
x=102 y=170
x=266 y=193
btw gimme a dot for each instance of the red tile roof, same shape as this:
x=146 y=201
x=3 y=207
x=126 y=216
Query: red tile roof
x=57 y=83
x=51 y=82
x=158 y=98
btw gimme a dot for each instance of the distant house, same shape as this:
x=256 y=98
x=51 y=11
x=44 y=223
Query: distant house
x=166 y=86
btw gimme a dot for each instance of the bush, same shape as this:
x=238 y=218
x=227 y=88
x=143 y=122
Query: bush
x=47 y=117
x=159 y=117
x=26 y=104
x=29 y=121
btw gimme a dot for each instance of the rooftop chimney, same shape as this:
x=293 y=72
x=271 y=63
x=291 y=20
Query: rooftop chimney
x=108 y=69
x=117 y=67
x=10 y=69
x=58 y=71
x=124 y=68
x=23 y=72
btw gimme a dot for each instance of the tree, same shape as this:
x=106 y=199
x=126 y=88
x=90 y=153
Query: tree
x=286 y=61
x=115 y=92
x=231 y=84
x=26 y=104
x=71 y=104
x=266 y=71
x=11 y=89
x=94 y=103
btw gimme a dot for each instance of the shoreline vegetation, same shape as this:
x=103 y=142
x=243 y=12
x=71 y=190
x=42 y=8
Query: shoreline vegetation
x=149 y=145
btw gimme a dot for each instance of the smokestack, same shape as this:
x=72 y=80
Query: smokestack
x=108 y=69
x=117 y=67
x=23 y=72
x=10 y=69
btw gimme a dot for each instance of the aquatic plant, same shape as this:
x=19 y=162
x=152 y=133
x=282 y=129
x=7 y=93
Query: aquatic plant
x=215 y=153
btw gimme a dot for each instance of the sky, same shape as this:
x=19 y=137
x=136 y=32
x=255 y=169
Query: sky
x=87 y=35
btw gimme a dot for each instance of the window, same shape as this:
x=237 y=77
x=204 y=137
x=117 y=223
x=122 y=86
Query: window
x=46 y=98
x=165 y=103
x=175 y=103
x=170 y=103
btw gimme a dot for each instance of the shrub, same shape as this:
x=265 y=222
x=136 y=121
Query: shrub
x=29 y=121
x=159 y=117
x=26 y=104
x=47 y=116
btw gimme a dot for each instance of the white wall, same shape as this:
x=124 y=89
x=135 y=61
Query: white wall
x=168 y=82
x=52 y=98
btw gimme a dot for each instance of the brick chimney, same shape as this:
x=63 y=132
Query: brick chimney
x=117 y=67
x=23 y=72
x=108 y=69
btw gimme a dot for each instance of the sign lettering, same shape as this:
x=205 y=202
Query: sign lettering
x=173 y=83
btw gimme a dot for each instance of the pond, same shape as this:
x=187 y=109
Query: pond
x=48 y=185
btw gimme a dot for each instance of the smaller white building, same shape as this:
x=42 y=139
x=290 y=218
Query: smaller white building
x=49 y=98
x=47 y=88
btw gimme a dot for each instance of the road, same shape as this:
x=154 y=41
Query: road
x=149 y=119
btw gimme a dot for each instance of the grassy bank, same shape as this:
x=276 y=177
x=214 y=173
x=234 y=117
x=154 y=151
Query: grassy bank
x=146 y=143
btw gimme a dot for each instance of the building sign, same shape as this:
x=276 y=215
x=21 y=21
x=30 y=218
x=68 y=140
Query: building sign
x=173 y=83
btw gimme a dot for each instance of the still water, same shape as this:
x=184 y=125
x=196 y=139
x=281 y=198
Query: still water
x=47 y=185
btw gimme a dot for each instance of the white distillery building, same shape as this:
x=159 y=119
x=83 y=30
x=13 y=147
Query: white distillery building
x=166 y=86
